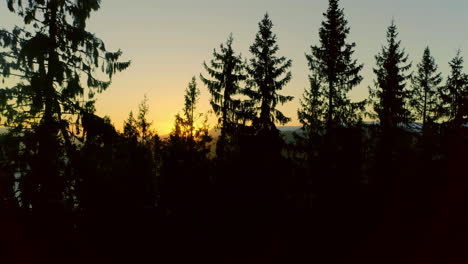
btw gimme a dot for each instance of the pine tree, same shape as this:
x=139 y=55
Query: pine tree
x=424 y=98
x=187 y=147
x=227 y=70
x=268 y=75
x=185 y=128
x=454 y=95
x=139 y=128
x=192 y=94
x=312 y=112
x=55 y=63
x=142 y=156
x=130 y=129
x=184 y=156
x=143 y=124
x=332 y=62
x=389 y=96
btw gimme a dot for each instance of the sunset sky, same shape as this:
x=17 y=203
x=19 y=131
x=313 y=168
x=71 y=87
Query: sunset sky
x=168 y=41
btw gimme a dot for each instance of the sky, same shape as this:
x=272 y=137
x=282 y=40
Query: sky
x=168 y=41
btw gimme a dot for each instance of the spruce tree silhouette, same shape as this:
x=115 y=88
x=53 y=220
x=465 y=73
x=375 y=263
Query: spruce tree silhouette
x=454 y=95
x=425 y=84
x=312 y=113
x=141 y=140
x=336 y=73
x=425 y=100
x=334 y=66
x=390 y=100
x=184 y=176
x=228 y=70
x=259 y=178
x=130 y=130
x=268 y=75
x=454 y=151
x=390 y=97
x=261 y=152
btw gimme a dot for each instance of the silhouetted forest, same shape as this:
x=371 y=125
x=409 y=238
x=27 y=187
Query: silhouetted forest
x=339 y=189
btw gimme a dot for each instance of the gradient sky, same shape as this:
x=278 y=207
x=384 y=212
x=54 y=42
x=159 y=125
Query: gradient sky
x=168 y=41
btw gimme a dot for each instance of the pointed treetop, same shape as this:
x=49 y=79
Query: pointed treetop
x=332 y=61
x=268 y=74
x=392 y=32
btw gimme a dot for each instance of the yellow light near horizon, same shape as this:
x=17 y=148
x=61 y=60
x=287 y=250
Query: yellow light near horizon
x=164 y=128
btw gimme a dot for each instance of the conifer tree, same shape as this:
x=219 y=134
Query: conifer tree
x=184 y=156
x=192 y=94
x=332 y=62
x=227 y=70
x=54 y=62
x=454 y=95
x=424 y=98
x=130 y=129
x=268 y=75
x=139 y=128
x=185 y=128
x=390 y=96
x=312 y=112
x=142 y=155
x=143 y=124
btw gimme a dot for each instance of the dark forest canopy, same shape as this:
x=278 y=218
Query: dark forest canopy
x=58 y=66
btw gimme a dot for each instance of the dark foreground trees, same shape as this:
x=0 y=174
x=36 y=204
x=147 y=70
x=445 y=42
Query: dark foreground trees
x=141 y=196
x=184 y=174
x=53 y=62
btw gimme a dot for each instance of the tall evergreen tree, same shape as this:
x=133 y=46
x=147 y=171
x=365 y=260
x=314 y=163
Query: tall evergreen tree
x=454 y=94
x=139 y=128
x=185 y=128
x=390 y=96
x=227 y=70
x=130 y=128
x=185 y=157
x=332 y=62
x=55 y=62
x=268 y=75
x=142 y=121
x=312 y=112
x=424 y=98
x=141 y=157
x=312 y=115
x=191 y=96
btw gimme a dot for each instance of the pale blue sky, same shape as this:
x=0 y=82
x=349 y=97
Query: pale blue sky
x=169 y=40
